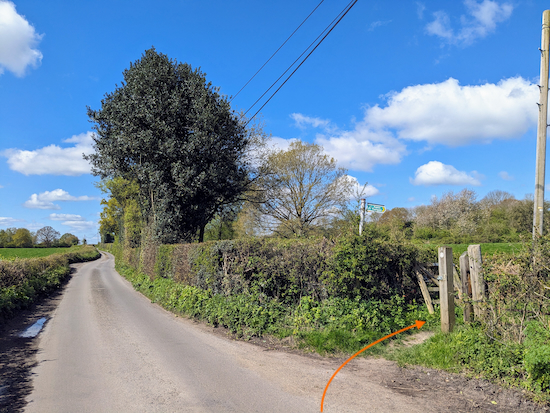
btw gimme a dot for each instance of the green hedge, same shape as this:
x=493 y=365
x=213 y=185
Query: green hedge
x=22 y=281
x=287 y=269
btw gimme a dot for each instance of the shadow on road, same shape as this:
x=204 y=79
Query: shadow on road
x=18 y=355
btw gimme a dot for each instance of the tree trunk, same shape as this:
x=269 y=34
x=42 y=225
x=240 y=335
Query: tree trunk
x=201 y=233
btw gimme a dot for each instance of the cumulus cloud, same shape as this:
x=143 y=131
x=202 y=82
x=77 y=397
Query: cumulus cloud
x=80 y=225
x=439 y=113
x=482 y=19
x=362 y=148
x=34 y=202
x=437 y=173
x=74 y=221
x=451 y=114
x=53 y=159
x=302 y=121
x=18 y=41
x=279 y=144
x=362 y=191
x=45 y=200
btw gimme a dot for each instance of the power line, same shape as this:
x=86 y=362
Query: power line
x=293 y=63
x=338 y=18
x=276 y=51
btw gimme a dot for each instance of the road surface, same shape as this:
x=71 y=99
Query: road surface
x=106 y=348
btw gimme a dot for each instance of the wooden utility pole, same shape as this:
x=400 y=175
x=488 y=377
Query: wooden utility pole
x=542 y=125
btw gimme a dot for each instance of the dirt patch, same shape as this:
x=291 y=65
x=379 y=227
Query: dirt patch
x=437 y=391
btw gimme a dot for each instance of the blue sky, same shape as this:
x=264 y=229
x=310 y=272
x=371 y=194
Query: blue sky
x=417 y=98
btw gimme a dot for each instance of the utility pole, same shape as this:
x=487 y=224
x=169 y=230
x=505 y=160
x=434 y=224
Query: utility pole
x=542 y=125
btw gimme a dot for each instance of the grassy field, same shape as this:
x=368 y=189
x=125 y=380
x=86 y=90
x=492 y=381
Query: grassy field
x=10 y=253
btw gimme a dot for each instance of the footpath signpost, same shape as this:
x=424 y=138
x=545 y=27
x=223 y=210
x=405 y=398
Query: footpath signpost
x=370 y=208
x=376 y=208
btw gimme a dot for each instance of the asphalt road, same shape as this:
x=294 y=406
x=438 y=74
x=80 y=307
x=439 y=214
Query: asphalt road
x=108 y=349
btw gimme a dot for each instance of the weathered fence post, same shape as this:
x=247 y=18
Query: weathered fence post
x=465 y=285
x=425 y=291
x=476 y=278
x=446 y=289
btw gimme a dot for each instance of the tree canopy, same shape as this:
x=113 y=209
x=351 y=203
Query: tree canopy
x=168 y=129
x=302 y=188
x=47 y=236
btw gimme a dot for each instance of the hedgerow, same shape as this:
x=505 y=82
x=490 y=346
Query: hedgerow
x=22 y=281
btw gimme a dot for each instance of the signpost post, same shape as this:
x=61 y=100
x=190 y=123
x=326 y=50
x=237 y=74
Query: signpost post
x=361 y=216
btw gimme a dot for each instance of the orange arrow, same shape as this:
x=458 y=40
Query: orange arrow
x=418 y=325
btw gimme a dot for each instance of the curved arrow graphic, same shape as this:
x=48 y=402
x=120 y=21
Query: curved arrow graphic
x=418 y=325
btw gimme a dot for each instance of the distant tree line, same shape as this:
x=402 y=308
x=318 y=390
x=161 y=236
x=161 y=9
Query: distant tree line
x=44 y=237
x=461 y=218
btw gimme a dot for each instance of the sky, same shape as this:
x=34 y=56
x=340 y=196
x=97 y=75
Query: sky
x=414 y=98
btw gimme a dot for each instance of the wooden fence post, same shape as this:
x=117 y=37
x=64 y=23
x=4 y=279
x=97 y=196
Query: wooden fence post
x=446 y=289
x=425 y=291
x=476 y=278
x=465 y=285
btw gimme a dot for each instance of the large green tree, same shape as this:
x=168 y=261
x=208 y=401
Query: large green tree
x=22 y=238
x=168 y=129
x=302 y=189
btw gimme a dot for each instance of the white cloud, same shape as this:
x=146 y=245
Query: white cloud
x=80 y=225
x=74 y=221
x=53 y=159
x=18 y=41
x=450 y=114
x=279 y=144
x=34 y=202
x=364 y=191
x=7 y=221
x=437 y=173
x=506 y=176
x=482 y=20
x=66 y=217
x=439 y=113
x=45 y=200
x=302 y=121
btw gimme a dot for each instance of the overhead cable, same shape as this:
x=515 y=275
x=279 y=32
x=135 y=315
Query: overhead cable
x=332 y=25
x=276 y=51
